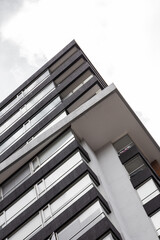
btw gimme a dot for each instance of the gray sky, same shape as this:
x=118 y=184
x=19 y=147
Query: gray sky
x=121 y=38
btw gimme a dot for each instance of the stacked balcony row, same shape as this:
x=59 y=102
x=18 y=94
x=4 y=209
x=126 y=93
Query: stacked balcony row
x=58 y=65
x=70 y=85
x=54 y=188
x=64 y=86
x=143 y=178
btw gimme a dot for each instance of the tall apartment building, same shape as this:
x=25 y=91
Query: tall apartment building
x=76 y=162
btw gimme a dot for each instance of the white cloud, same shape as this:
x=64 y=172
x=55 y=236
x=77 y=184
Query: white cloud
x=121 y=38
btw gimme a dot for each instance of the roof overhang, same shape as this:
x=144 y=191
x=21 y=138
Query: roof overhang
x=104 y=118
x=109 y=119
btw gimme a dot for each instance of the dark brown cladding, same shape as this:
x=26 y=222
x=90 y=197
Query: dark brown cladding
x=48 y=65
x=64 y=66
x=46 y=120
x=152 y=206
x=156 y=166
x=37 y=74
x=55 y=93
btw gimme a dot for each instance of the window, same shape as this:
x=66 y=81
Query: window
x=82 y=223
x=64 y=169
x=53 y=122
x=30 y=104
x=15 y=180
x=9 y=105
x=9 y=122
x=30 y=123
x=17 y=207
x=45 y=111
x=28 y=229
x=24 y=92
x=52 y=150
x=123 y=144
x=147 y=191
x=53 y=209
x=43 y=186
x=36 y=82
x=135 y=165
x=71 y=195
x=156 y=222
x=14 y=101
x=43 y=157
x=20 y=205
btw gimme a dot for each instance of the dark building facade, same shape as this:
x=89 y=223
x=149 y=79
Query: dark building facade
x=75 y=161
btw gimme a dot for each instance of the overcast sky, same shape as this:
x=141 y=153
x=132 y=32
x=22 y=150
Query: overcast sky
x=120 y=37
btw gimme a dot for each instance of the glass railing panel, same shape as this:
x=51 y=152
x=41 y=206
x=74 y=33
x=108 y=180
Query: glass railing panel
x=10 y=121
x=82 y=223
x=42 y=187
x=20 y=205
x=52 y=123
x=55 y=208
x=42 y=158
x=40 y=95
x=30 y=123
x=135 y=165
x=39 y=80
x=11 y=104
x=28 y=229
x=88 y=226
x=15 y=180
x=28 y=106
x=52 y=150
x=51 y=210
x=11 y=140
x=24 y=92
x=63 y=170
x=16 y=208
x=147 y=191
x=45 y=111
